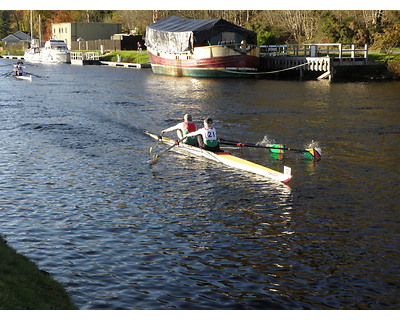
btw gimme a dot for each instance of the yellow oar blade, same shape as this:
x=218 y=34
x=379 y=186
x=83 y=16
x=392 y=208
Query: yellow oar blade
x=312 y=153
x=155 y=159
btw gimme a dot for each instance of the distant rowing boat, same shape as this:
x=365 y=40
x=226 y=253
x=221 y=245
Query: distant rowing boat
x=227 y=159
x=29 y=78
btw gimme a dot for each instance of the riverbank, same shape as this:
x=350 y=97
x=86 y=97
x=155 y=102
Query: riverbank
x=127 y=57
x=383 y=67
x=25 y=287
x=391 y=62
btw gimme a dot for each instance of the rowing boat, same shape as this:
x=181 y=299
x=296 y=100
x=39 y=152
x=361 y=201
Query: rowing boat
x=227 y=159
x=29 y=78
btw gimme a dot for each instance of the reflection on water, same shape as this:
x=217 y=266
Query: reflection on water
x=79 y=198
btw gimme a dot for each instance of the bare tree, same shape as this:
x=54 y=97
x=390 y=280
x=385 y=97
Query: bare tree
x=134 y=20
x=301 y=24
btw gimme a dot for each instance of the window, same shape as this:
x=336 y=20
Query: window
x=228 y=37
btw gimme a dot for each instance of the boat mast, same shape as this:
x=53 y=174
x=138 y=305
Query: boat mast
x=31 y=28
x=40 y=33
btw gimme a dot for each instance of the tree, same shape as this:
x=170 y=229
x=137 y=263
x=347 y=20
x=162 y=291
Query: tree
x=4 y=23
x=279 y=26
x=335 y=29
x=266 y=37
x=134 y=20
x=19 y=20
x=388 y=39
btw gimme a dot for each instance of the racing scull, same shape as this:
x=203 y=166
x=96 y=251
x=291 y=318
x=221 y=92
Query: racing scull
x=29 y=78
x=227 y=159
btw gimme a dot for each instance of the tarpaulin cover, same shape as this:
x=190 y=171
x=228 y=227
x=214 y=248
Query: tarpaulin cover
x=176 y=34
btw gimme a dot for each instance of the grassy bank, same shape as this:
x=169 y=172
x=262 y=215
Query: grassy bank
x=12 y=52
x=24 y=287
x=391 y=60
x=127 y=56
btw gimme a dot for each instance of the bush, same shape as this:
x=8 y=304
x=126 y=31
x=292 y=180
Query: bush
x=266 y=37
x=394 y=67
x=388 y=39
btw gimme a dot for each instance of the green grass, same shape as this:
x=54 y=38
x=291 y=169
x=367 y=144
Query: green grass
x=383 y=56
x=24 y=287
x=391 y=60
x=12 y=52
x=127 y=56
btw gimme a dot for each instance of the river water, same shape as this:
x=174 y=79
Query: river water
x=79 y=198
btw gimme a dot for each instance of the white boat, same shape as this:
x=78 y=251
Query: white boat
x=29 y=78
x=54 y=51
x=227 y=159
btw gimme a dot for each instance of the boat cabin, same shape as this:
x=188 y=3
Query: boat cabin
x=59 y=45
x=177 y=34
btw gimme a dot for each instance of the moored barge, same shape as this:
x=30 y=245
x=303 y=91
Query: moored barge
x=201 y=48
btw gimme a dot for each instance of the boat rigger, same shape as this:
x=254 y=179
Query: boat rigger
x=225 y=158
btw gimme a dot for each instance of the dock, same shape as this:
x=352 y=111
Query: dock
x=12 y=57
x=126 y=64
x=322 y=59
x=85 y=58
x=93 y=58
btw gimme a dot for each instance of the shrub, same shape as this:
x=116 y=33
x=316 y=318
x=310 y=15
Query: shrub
x=394 y=67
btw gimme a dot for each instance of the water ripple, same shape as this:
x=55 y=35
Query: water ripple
x=80 y=199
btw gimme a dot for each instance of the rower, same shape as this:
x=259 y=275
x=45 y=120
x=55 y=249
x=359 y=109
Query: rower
x=183 y=128
x=18 y=69
x=207 y=136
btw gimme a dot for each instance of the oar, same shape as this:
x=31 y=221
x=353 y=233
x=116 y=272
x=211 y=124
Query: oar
x=35 y=75
x=153 y=147
x=310 y=153
x=155 y=158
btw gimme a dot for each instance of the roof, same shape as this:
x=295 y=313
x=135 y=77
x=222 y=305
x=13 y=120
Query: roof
x=11 y=38
x=18 y=36
x=22 y=35
x=180 y=34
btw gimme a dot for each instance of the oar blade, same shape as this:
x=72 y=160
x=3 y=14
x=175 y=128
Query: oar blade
x=276 y=148
x=154 y=146
x=155 y=159
x=312 y=153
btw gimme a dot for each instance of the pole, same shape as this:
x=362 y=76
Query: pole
x=40 y=33
x=31 y=27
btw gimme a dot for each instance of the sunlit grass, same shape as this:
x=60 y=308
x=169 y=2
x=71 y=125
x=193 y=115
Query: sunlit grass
x=24 y=287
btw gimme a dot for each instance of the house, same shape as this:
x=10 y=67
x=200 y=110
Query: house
x=72 y=31
x=16 y=38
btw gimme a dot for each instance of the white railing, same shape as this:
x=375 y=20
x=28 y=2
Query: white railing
x=84 y=56
x=334 y=50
